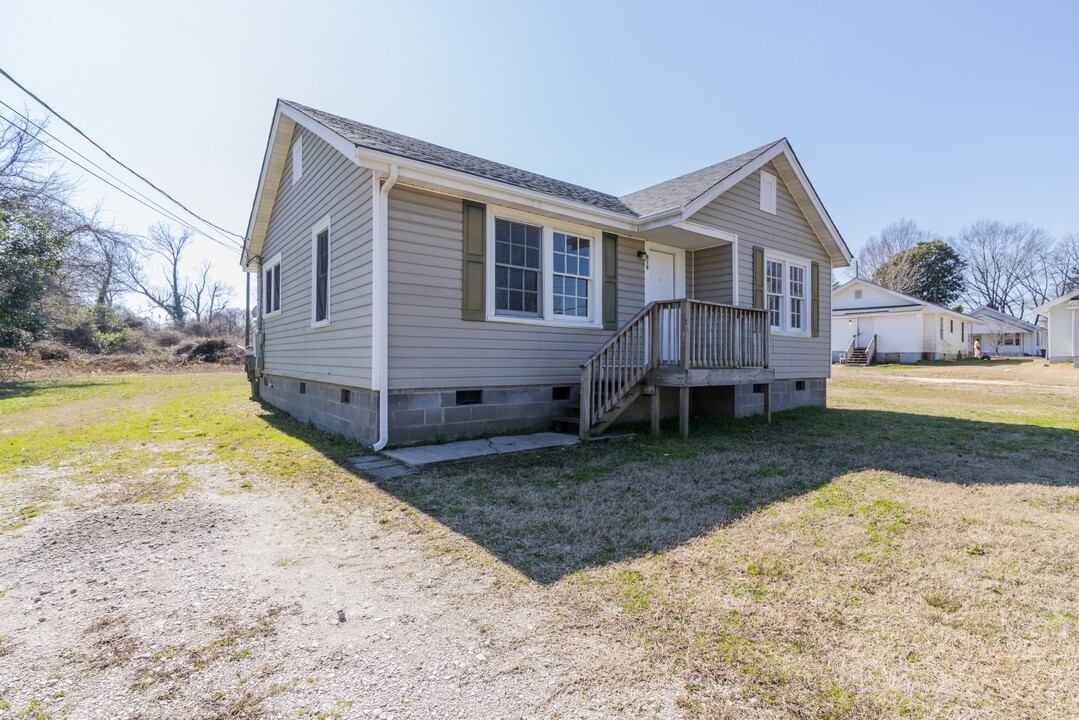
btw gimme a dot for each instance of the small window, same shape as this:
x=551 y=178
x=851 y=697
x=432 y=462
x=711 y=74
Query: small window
x=799 y=385
x=758 y=388
x=942 y=328
x=768 y=192
x=951 y=327
x=561 y=393
x=297 y=159
x=346 y=396
x=857 y=294
x=303 y=388
x=469 y=397
x=962 y=332
x=271 y=286
x=320 y=273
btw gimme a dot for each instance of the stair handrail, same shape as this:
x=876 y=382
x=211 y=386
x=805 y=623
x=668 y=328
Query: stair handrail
x=871 y=351
x=850 y=348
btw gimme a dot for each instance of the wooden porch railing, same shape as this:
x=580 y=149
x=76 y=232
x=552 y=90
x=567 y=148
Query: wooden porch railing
x=850 y=348
x=871 y=351
x=679 y=333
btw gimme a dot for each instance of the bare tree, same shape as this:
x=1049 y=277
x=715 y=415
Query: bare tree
x=166 y=248
x=26 y=181
x=206 y=297
x=1002 y=261
x=893 y=239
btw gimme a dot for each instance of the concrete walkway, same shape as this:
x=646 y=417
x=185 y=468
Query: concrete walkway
x=464 y=449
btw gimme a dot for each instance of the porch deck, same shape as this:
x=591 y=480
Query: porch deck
x=674 y=344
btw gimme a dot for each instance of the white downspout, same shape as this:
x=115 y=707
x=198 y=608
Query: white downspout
x=380 y=340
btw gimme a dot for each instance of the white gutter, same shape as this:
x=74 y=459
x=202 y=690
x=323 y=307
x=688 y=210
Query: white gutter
x=380 y=340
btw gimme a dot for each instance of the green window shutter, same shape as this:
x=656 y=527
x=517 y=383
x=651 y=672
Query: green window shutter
x=473 y=275
x=815 y=305
x=758 y=277
x=610 y=281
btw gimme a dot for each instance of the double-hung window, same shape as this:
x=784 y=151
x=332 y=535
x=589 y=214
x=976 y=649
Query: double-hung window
x=517 y=267
x=786 y=290
x=320 y=273
x=271 y=286
x=542 y=272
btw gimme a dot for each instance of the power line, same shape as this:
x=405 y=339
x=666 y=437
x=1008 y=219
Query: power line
x=120 y=189
x=164 y=210
x=111 y=156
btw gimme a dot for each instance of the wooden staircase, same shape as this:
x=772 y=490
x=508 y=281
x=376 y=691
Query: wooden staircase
x=862 y=357
x=671 y=343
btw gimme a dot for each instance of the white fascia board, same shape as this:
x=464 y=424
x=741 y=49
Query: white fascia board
x=253 y=241
x=706 y=231
x=780 y=148
x=426 y=176
x=845 y=312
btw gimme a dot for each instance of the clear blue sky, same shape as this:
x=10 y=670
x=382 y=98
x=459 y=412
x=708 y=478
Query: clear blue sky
x=941 y=112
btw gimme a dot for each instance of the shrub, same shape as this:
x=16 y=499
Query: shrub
x=169 y=338
x=52 y=351
x=122 y=341
x=215 y=350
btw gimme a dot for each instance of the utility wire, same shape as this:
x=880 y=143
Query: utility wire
x=163 y=209
x=111 y=156
x=118 y=188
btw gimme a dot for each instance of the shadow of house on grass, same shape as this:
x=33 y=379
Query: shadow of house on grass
x=551 y=513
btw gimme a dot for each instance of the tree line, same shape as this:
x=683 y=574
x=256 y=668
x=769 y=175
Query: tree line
x=58 y=260
x=1010 y=267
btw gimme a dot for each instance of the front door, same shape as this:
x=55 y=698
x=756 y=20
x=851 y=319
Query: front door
x=865 y=332
x=664 y=279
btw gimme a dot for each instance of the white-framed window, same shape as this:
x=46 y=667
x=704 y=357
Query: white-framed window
x=271 y=286
x=320 y=273
x=942 y=328
x=786 y=292
x=768 y=192
x=542 y=271
x=297 y=159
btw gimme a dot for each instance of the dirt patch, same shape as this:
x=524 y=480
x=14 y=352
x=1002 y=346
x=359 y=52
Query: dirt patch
x=248 y=605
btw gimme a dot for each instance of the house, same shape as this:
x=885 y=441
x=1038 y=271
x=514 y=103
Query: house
x=1063 y=331
x=872 y=323
x=999 y=333
x=410 y=292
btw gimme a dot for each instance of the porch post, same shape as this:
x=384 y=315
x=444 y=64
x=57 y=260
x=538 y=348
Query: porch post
x=683 y=412
x=656 y=407
x=768 y=403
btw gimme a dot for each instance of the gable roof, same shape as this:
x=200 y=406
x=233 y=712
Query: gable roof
x=675 y=200
x=683 y=190
x=1071 y=296
x=373 y=138
x=907 y=301
x=1003 y=317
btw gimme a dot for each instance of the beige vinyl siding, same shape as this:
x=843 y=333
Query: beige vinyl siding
x=331 y=185
x=710 y=274
x=430 y=346
x=738 y=211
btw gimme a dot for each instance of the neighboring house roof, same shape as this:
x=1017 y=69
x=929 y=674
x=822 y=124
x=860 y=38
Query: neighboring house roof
x=666 y=204
x=907 y=302
x=1071 y=297
x=985 y=312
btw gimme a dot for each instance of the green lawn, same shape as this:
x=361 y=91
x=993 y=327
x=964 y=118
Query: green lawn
x=909 y=551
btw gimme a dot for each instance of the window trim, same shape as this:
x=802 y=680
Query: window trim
x=316 y=229
x=548 y=227
x=807 y=293
x=768 y=192
x=267 y=269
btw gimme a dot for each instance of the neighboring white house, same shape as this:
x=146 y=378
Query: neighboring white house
x=906 y=329
x=999 y=333
x=409 y=291
x=1063 y=315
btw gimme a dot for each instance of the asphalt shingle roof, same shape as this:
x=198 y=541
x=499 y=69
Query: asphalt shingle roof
x=683 y=190
x=663 y=196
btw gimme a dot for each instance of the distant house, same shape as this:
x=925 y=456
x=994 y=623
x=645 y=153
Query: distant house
x=411 y=292
x=1063 y=331
x=999 y=333
x=871 y=323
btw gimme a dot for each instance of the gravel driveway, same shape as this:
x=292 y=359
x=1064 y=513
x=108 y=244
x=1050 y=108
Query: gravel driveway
x=262 y=605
